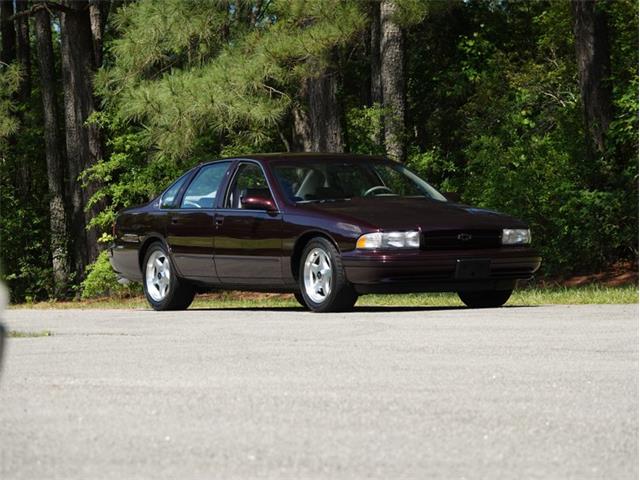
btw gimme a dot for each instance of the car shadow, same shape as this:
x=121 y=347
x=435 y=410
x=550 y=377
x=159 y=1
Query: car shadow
x=362 y=309
x=247 y=309
x=418 y=308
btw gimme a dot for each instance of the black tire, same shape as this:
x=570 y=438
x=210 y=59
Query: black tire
x=342 y=296
x=485 y=299
x=300 y=299
x=180 y=293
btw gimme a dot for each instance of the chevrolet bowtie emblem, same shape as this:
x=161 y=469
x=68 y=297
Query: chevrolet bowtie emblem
x=465 y=237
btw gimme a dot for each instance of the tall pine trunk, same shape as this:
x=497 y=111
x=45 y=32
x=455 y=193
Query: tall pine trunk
x=98 y=12
x=317 y=120
x=83 y=141
x=23 y=50
x=374 y=54
x=7 y=33
x=392 y=79
x=55 y=165
x=374 y=61
x=594 y=67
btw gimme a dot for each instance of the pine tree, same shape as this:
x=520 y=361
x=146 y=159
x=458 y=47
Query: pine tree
x=83 y=141
x=392 y=79
x=221 y=74
x=55 y=160
x=594 y=68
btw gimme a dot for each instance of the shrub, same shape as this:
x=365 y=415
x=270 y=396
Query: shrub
x=101 y=281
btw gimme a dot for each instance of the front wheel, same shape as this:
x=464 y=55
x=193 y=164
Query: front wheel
x=485 y=299
x=323 y=283
x=162 y=286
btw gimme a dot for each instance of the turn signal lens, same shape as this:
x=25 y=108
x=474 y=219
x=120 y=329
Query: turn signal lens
x=389 y=240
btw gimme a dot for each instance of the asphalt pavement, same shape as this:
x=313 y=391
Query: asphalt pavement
x=514 y=393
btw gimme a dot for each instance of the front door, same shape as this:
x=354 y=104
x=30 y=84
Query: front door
x=248 y=243
x=191 y=226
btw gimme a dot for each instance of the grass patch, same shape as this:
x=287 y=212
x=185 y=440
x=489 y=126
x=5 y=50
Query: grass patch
x=589 y=294
x=17 y=334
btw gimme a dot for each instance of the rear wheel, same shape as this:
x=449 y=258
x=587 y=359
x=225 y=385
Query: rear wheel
x=323 y=283
x=485 y=299
x=162 y=286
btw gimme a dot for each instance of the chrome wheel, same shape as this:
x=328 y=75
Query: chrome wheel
x=318 y=276
x=158 y=275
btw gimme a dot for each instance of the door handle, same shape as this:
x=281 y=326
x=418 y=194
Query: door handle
x=219 y=221
x=174 y=221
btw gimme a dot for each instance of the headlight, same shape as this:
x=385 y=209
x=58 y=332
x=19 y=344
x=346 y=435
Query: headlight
x=382 y=240
x=516 y=236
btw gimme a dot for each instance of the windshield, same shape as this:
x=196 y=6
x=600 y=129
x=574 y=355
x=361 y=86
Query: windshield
x=304 y=181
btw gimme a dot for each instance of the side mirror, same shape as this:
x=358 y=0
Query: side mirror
x=452 y=196
x=258 y=202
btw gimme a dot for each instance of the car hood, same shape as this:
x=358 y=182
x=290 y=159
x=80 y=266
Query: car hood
x=388 y=213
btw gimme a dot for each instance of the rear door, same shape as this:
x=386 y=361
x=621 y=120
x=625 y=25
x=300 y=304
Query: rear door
x=191 y=226
x=248 y=243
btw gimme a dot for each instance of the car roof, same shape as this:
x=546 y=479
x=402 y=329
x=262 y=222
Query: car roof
x=270 y=157
x=311 y=156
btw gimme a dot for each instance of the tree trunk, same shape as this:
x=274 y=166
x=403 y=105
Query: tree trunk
x=594 y=67
x=24 y=51
x=7 y=33
x=83 y=141
x=374 y=54
x=317 y=124
x=302 y=131
x=55 y=166
x=98 y=12
x=374 y=60
x=392 y=79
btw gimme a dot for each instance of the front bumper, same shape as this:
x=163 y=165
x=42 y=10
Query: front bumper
x=423 y=271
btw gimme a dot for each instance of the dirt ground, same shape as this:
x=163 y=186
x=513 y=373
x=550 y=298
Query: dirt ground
x=618 y=275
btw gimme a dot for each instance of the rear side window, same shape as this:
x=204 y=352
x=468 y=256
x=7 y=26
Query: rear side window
x=169 y=197
x=203 y=190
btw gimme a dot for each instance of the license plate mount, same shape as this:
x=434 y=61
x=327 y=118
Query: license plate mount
x=473 y=268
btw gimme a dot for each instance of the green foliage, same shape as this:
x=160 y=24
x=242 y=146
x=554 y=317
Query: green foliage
x=24 y=255
x=102 y=282
x=10 y=76
x=436 y=166
x=364 y=129
x=493 y=112
x=18 y=334
x=127 y=177
x=24 y=221
x=508 y=133
x=231 y=80
x=160 y=36
x=412 y=12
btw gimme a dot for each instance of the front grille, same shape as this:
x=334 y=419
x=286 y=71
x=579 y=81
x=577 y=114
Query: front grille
x=461 y=239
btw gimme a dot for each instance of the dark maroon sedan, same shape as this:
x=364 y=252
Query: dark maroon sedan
x=326 y=227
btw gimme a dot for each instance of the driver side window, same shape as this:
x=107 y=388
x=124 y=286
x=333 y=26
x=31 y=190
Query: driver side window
x=249 y=180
